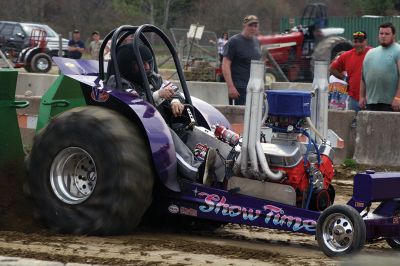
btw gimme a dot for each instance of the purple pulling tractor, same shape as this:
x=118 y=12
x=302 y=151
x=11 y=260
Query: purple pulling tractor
x=106 y=155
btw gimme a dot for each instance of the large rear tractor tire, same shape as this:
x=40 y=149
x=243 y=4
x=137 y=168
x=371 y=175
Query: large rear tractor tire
x=327 y=49
x=340 y=231
x=40 y=63
x=90 y=172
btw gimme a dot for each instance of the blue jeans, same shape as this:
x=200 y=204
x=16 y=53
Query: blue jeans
x=353 y=104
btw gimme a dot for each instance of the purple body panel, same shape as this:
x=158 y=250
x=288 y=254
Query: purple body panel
x=215 y=204
x=210 y=113
x=159 y=136
x=84 y=67
x=378 y=226
x=374 y=187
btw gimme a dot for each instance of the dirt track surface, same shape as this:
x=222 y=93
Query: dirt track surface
x=21 y=236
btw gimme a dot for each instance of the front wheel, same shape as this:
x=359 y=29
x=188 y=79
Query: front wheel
x=90 y=172
x=340 y=231
x=40 y=63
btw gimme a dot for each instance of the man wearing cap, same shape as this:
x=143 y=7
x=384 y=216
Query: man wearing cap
x=94 y=46
x=380 y=84
x=238 y=53
x=348 y=68
x=75 y=46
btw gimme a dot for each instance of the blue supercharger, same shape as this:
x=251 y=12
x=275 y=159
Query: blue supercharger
x=289 y=103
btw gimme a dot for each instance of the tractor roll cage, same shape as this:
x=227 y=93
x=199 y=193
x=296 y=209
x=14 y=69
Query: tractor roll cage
x=121 y=33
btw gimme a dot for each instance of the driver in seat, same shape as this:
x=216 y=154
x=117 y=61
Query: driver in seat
x=163 y=93
x=132 y=79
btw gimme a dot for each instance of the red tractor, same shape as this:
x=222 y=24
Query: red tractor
x=289 y=55
x=35 y=57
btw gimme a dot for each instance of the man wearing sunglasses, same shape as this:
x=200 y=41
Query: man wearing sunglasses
x=348 y=68
x=380 y=84
x=238 y=53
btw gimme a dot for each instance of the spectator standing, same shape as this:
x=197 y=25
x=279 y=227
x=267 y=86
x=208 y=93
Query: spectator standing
x=221 y=43
x=94 y=46
x=348 y=68
x=380 y=87
x=75 y=46
x=238 y=53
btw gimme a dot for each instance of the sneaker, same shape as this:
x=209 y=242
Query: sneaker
x=209 y=166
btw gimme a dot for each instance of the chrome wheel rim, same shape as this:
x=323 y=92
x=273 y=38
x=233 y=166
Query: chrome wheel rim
x=73 y=175
x=337 y=232
x=269 y=78
x=42 y=64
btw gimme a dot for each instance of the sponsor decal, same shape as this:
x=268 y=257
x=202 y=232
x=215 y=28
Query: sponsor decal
x=188 y=211
x=173 y=208
x=99 y=95
x=273 y=214
x=200 y=151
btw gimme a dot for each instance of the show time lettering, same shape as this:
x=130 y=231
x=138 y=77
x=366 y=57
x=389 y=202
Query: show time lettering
x=231 y=211
x=276 y=215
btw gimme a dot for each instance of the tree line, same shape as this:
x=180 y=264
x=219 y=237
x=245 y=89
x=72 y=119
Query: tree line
x=217 y=15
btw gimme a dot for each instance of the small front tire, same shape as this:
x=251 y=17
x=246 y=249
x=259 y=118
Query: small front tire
x=40 y=63
x=340 y=231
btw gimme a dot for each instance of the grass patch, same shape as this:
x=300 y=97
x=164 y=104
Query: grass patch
x=350 y=164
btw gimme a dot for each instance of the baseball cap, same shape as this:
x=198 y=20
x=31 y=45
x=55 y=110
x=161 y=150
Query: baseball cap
x=359 y=35
x=95 y=32
x=250 y=19
x=76 y=31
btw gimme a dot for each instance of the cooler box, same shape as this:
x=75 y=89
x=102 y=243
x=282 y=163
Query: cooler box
x=289 y=103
